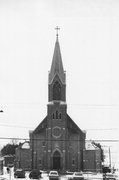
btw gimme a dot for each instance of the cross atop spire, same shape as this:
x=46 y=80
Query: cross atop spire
x=57 y=29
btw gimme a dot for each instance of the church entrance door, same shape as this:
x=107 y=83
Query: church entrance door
x=56 y=160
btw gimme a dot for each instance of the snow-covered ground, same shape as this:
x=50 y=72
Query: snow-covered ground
x=87 y=176
x=92 y=176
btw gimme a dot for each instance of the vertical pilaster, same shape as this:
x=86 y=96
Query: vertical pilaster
x=64 y=161
x=49 y=146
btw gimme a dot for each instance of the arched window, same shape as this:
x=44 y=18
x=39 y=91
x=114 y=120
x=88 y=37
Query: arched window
x=60 y=115
x=73 y=161
x=53 y=116
x=56 y=91
x=56 y=114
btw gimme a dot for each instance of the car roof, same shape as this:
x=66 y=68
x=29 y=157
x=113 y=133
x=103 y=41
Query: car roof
x=19 y=169
x=78 y=173
x=109 y=174
x=69 y=172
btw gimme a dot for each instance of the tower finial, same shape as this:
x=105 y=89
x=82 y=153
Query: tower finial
x=57 y=29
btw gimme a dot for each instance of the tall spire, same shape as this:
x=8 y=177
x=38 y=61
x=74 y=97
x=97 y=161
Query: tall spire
x=57 y=65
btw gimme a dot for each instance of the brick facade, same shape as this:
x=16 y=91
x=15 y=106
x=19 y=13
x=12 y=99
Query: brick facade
x=23 y=156
x=92 y=160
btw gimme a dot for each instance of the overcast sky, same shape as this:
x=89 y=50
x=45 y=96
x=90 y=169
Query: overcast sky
x=89 y=42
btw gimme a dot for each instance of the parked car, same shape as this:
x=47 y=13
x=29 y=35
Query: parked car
x=69 y=175
x=35 y=174
x=53 y=175
x=44 y=174
x=88 y=175
x=78 y=176
x=109 y=176
x=19 y=173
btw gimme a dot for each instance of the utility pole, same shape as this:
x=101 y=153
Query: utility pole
x=109 y=158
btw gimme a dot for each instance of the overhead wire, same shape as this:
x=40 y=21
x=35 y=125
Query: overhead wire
x=91 y=129
x=46 y=139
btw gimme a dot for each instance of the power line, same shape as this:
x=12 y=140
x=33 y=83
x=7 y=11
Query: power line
x=93 y=129
x=102 y=105
x=14 y=126
x=46 y=139
x=38 y=103
x=106 y=129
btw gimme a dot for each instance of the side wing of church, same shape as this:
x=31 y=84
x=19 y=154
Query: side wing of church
x=57 y=143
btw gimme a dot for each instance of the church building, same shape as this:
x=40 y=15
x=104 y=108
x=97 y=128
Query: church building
x=57 y=143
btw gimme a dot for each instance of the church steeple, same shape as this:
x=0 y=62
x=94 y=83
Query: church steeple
x=57 y=79
x=57 y=65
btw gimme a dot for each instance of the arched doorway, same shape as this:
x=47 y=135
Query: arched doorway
x=56 y=160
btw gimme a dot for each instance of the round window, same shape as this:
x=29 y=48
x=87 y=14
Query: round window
x=57 y=131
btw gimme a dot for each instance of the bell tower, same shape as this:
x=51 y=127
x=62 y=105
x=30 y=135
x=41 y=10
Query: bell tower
x=57 y=111
x=57 y=78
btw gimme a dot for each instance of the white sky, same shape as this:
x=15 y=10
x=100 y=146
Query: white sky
x=89 y=41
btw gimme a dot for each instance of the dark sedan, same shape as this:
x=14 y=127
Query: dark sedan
x=109 y=176
x=35 y=174
x=19 y=173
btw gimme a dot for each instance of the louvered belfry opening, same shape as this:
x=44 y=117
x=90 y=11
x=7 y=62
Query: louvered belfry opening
x=56 y=91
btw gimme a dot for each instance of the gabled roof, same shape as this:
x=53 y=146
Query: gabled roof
x=72 y=125
x=41 y=126
x=57 y=65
